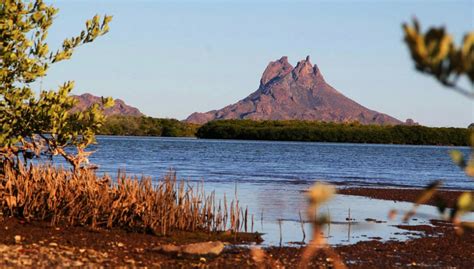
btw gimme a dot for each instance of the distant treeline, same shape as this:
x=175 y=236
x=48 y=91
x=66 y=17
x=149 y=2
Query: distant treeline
x=333 y=132
x=147 y=126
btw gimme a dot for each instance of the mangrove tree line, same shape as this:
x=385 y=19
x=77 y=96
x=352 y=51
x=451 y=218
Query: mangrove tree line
x=293 y=130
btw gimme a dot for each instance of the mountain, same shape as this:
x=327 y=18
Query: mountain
x=299 y=93
x=120 y=108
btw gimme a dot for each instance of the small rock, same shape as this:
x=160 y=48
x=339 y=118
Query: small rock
x=77 y=263
x=169 y=248
x=203 y=249
x=26 y=262
x=131 y=261
x=17 y=239
x=197 y=249
x=3 y=248
x=119 y=244
x=82 y=250
x=52 y=244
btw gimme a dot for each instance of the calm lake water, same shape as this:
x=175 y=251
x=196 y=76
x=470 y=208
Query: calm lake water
x=269 y=177
x=280 y=163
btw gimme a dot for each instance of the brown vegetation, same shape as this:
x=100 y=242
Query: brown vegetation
x=59 y=196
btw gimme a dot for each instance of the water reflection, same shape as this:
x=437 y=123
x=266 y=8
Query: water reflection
x=370 y=221
x=276 y=210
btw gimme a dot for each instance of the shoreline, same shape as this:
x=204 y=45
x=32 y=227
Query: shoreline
x=283 y=141
x=46 y=246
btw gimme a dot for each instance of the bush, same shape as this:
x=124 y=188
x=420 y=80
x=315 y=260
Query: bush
x=147 y=126
x=332 y=132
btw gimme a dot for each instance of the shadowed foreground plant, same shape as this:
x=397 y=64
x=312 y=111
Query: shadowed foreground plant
x=63 y=197
x=434 y=53
x=318 y=194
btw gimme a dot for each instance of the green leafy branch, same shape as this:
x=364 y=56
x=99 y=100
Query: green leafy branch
x=32 y=125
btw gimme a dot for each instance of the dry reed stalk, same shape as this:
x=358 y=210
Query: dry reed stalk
x=252 y=224
x=302 y=226
x=60 y=196
x=281 y=233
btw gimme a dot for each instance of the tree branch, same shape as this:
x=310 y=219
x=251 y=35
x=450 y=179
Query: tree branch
x=460 y=90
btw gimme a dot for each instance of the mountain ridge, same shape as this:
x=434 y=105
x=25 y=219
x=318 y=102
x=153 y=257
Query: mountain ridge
x=120 y=108
x=295 y=93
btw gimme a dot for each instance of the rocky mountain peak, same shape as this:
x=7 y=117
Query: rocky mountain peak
x=306 y=72
x=276 y=70
x=298 y=93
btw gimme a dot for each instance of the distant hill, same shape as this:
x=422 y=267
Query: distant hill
x=119 y=109
x=295 y=93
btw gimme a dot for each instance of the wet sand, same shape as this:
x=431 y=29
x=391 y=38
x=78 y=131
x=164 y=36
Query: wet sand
x=405 y=195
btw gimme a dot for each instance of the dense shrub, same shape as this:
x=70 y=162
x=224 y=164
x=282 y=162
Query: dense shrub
x=147 y=126
x=332 y=132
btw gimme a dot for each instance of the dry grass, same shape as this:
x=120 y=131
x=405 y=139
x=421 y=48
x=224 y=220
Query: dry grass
x=60 y=196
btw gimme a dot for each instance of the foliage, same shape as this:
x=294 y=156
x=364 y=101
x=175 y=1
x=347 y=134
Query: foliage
x=147 y=126
x=317 y=195
x=47 y=193
x=32 y=125
x=435 y=53
x=332 y=132
x=465 y=202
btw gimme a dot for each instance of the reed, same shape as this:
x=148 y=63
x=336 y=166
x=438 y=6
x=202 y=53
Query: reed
x=63 y=197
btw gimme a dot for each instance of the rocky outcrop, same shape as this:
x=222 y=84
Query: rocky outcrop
x=411 y=122
x=119 y=108
x=300 y=93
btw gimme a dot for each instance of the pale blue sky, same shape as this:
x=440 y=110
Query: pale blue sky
x=173 y=58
